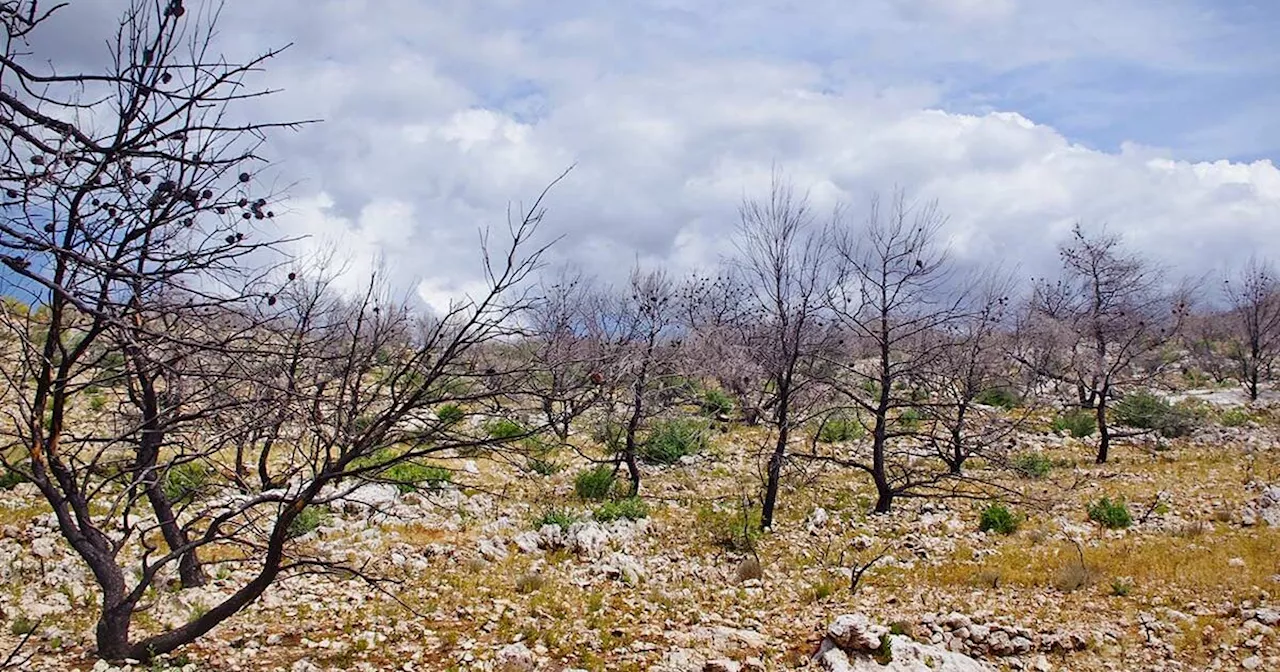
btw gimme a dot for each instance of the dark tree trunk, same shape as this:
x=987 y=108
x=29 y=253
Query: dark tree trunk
x=1104 y=432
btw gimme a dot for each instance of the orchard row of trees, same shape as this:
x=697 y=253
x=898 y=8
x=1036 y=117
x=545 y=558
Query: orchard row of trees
x=181 y=392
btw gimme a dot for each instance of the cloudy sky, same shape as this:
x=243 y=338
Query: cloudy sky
x=1158 y=118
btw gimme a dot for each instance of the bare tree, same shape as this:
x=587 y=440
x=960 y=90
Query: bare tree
x=133 y=219
x=1254 y=322
x=897 y=295
x=785 y=265
x=970 y=373
x=720 y=323
x=567 y=357
x=1092 y=327
x=647 y=315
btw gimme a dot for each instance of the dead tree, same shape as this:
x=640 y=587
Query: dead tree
x=1253 y=298
x=1091 y=328
x=646 y=315
x=133 y=218
x=720 y=324
x=785 y=266
x=567 y=358
x=970 y=373
x=896 y=295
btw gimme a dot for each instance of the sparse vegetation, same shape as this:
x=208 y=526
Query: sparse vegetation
x=414 y=476
x=308 y=520
x=1032 y=465
x=996 y=517
x=10 y=478
x=714 y=403
x=631 y=508
x=450 y=414
x=841 y=427
x=1078 y=423
x=1000 y=397
x=1113 y=515
x=595 y=484
x=670 y=440
x=1144 y=410
x=184 y=481
x=561 y=518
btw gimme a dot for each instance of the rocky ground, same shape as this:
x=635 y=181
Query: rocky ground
x=480 y=579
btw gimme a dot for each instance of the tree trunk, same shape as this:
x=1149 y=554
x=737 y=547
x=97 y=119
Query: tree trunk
x=774 y=475
x=1104 y=433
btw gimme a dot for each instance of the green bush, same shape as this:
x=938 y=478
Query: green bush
x=594 y=484
x=910 y=418
x=1235 y=417
x=11 y=478
x=544 y=466
x=413 y=476
x=1079 y=423
x=1112 y=515
x=631 y=508
x=714 y=403
x=503 y=429
x=185 y=480
x=1000 y=397
x=450 y=414
x=841 y=427
x=1032 y=465
x=561 y=518
x=1145 y=410
x=308 y=520
x=997 y=518
x=670 y=440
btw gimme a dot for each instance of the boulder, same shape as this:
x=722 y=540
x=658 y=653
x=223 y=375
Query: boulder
x=853 y=632
x=516 y=658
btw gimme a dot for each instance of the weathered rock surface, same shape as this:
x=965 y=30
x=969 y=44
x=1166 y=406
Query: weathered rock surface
x=854 y=644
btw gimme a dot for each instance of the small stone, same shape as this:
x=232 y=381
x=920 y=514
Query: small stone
x=722 y=665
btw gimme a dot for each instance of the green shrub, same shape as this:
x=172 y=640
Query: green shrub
x=1079 y=423
x=450 y=414
x=1112 y=515
x=910 y=418
x=594 y=484
x=544 y=466
x=997 y=518
x=631 y=508
x=22 y=625
x=714 y=402
x=11 y=478
x=308 y=520
x=412 y=476
x=670 y=440
x=561 y=518
x=1000 y=397
x=1121 y=587
x=1145 y=410
x=1235 y=417
x=97 y=402
x=841 y=427
x=1032 y=465
x=503 y=429
x=185 y=480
